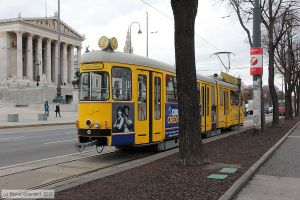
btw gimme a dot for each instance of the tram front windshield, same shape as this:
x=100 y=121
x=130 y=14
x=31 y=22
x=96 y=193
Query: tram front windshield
x=94 y=86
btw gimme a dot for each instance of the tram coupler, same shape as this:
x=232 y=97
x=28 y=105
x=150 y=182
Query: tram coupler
x=82 y=146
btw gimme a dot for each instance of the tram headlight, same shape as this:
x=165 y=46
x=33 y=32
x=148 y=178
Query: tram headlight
x=88 y=123
x=97 y=124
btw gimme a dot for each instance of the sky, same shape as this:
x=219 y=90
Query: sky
x=216 y=28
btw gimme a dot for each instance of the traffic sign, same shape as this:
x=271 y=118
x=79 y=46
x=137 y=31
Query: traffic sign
x=256 y=61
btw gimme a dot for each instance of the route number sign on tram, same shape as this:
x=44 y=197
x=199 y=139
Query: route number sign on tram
x=256 y=61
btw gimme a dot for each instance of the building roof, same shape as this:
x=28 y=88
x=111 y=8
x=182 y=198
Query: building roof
x=48 y=23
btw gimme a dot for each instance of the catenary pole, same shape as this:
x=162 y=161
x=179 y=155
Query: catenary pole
x=257 y=77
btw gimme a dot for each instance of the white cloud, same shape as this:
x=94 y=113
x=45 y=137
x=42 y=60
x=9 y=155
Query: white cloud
x=95 y=18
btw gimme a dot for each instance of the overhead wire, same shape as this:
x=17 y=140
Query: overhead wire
x=196 y=34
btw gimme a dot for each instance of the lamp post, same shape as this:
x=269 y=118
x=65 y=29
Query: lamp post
x=147 y=35
x=139 y=32
x=58 y=98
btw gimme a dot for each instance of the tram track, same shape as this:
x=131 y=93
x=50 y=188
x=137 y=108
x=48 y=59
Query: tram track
x=64 y=170
x=7 y=168
x=42 y=174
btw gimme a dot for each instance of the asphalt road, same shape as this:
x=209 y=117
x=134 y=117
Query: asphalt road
x=20 y=145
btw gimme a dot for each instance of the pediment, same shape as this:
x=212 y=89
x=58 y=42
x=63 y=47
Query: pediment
x=51 y=23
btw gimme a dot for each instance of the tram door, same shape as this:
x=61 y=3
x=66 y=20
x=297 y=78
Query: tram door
x=156 y=108
x=142 y=105
x=226 y=108
x=205 y=107
x=213 y=109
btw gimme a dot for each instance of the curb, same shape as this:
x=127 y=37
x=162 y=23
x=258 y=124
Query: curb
x=235 y=188
x=36 y=125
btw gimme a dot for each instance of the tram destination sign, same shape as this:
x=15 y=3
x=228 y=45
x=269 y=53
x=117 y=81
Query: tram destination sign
x=229 y=79
x=92 y=66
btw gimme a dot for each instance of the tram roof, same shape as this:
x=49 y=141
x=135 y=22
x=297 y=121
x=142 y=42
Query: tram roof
x=126 y=58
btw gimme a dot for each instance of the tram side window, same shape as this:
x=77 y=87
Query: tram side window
x=171 y=88
x=226 y=103
x=157 y=97
x=234 y=98
x=221 y=97
x=203 y=100
x=213 y=96
x=121 y=81
x=84 y=86
x=142 y=97
x=207 y=101
x=198 y=92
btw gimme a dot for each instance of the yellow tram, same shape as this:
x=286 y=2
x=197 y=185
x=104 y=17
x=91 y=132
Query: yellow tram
x=129 y=100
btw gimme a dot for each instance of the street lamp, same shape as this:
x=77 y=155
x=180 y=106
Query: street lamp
x=139 y=32
x=58 y=98
x=147 y=35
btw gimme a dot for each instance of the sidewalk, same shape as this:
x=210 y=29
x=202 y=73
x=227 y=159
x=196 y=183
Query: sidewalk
x=29 y=116
x=279 y=177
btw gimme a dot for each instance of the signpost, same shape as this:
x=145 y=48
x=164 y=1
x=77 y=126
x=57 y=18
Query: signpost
x=256 y=69
x=256 y=61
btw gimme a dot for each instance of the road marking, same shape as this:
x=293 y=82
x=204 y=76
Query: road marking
x=10 y=138
x=294 y=136
x=30 y=131
x=45 y=159
x=60 y=141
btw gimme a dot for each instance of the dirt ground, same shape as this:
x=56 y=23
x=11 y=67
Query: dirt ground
x=165 y=179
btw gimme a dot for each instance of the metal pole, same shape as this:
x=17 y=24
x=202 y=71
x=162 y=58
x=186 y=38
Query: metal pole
x=282 y=98
x=257 y=79
x=130 y=39
x=147 y=34
x=239 y=117
x=139 y=32
x=58 y=97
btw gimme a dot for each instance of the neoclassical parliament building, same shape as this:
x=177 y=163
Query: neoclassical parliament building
x=29 y=49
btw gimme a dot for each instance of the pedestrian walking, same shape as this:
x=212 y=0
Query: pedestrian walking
x=46 y=107
x=57 y=110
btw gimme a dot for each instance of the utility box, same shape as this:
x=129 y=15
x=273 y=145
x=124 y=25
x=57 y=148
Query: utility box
x=12 y=117
x=42 y=117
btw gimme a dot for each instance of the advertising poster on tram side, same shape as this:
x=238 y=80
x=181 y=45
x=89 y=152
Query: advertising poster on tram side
x=123 y=118
x=172 y=120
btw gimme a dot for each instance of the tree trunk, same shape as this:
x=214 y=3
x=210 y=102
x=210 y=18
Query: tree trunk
x=297 y=98
x=288 y=106
x=272 y=89
x=191 y=150
x=262 y=111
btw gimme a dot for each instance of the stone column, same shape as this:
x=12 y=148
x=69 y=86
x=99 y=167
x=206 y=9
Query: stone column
x=78 y=57
x=3 y=56
x=19 y=55
x=71 y=64
x=48 y=60
x=55 y=71
x=64 y=64
x=29 y=67
x=40 y=56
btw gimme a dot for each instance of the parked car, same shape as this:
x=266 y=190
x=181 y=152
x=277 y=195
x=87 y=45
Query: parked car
x=250 y=107
x=267 y=110
x=271 y=109
x=246 y=109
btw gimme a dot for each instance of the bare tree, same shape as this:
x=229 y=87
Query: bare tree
x=287 y=60
x=272 y=11
x=191 y=150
